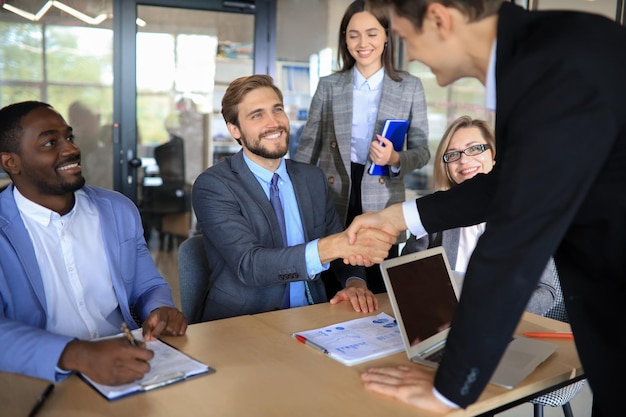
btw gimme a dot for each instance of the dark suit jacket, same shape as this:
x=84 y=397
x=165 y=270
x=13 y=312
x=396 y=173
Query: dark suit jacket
x=249 y=265
x=543 y=297
x=559 y=187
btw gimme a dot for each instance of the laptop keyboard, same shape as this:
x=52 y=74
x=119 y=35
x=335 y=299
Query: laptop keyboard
x=435 y=356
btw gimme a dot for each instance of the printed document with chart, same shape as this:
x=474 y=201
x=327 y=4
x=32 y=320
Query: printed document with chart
x=358 y=340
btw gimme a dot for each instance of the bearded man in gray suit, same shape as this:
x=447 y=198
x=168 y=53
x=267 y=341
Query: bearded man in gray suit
x=253 y=268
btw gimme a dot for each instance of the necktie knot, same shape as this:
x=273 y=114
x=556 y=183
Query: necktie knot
x=274 y=182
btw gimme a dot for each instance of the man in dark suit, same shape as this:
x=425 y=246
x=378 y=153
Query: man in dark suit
x=558 y=188
x=253 y=269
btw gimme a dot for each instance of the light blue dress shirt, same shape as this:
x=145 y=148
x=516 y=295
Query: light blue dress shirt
x=295 y=235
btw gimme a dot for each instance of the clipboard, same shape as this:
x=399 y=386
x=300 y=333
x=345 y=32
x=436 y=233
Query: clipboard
x=168 y=366
x=395 y=130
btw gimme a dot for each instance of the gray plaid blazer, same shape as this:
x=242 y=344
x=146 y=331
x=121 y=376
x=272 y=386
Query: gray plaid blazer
x=326 y=137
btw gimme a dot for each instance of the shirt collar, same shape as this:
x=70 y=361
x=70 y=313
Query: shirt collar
x=41 y=214
x=374 y=81
x=490 y=87
x=262 y=173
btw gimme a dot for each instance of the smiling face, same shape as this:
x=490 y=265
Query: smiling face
x=48 y=162
x=263 y=127
x=468 y=166
x=365 y=40
x=432 y=45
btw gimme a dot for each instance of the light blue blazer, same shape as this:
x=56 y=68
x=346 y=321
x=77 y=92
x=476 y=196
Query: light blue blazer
x=27 y=348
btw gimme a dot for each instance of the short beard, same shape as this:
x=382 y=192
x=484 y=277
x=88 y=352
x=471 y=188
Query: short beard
x=62 y=188
x=258 y=149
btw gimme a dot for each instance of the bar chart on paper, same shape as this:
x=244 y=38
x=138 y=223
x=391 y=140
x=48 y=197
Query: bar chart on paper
x=357 y=340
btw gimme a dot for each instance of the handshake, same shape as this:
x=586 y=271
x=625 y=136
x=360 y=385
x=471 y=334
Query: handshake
x=367 y=240
x=371 y=235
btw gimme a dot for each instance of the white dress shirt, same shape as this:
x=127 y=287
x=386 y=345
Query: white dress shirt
x=80 y=300
x=468 y=238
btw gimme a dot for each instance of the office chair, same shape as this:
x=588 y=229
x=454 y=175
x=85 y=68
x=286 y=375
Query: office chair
x=193 y=277
x=562 y=396
x=172 y=197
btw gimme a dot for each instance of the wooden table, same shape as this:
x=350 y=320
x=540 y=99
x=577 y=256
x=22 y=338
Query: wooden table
x=562 y=368
x=263 y=371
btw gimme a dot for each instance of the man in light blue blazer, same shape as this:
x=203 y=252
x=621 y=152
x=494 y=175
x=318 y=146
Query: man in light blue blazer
x=74 y=261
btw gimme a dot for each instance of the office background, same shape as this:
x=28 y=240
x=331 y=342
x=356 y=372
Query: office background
x=145 y=71
x=141 y=83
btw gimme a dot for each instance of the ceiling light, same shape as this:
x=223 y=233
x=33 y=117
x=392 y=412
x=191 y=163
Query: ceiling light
x=61 y=6
x=78 y=15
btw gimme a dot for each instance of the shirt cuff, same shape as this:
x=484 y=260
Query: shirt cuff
x=313 y=264
x=412 y=219
x=443 y=399
x=359 y=278
x=61 y=374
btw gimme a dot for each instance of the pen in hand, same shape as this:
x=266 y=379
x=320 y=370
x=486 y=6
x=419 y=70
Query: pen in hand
x=128 y=334
x=44 y=395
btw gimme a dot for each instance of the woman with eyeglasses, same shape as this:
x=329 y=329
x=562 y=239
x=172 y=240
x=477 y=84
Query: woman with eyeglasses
x=467 y=149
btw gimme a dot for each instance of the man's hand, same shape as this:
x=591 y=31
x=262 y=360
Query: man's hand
x=164 y=320
x=371 y=245
x=410 y=385
x=362 y=299
x=389 y=220
x=109 y=361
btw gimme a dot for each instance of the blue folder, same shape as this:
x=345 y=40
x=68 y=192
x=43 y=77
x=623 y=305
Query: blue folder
x=394 y=130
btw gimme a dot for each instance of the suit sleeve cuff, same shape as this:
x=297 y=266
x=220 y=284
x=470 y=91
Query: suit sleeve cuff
x=443 y=399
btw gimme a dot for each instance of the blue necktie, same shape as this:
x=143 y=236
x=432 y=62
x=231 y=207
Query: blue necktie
x=278 y=207
x=280 y=215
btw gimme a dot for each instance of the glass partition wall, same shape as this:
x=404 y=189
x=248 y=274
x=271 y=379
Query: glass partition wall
x=62 y=55
x=80 y=58
x=62 y=52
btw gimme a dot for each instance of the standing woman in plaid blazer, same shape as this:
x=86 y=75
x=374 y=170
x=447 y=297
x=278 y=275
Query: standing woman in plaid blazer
x=347 y=114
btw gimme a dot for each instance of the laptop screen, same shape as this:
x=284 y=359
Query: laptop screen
x=424 y=295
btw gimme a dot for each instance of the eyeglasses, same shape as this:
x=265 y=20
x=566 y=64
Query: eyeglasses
x=471 y=151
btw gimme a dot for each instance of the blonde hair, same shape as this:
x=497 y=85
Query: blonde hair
x=441 y=175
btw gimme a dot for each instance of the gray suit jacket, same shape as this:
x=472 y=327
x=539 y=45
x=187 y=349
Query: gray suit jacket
x=326 y=138
x=250 y=267
x=543 y=297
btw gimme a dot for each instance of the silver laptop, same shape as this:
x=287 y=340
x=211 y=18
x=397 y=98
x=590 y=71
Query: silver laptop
x=424 y=296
